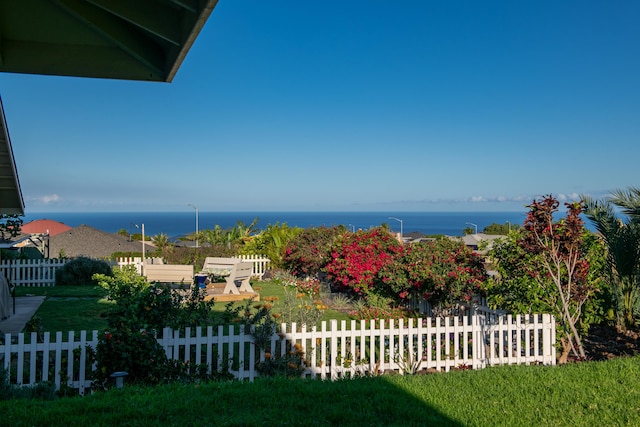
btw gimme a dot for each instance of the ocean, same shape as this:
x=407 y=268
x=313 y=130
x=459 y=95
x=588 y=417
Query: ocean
x=177 y=224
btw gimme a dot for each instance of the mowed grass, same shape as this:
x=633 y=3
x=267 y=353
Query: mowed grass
x=584 y=394
x=70 y=308
x=75 y=308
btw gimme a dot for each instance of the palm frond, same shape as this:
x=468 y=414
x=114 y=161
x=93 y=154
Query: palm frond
x=602 y=215
x=628 y=200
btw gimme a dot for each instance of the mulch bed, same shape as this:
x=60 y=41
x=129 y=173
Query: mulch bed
x=605 y=342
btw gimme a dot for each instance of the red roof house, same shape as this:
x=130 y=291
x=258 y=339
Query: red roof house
x=44 y=226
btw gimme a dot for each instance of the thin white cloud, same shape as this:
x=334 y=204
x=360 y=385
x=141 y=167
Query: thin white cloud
x=568 y=197
x=47 y=199
x=480 y=199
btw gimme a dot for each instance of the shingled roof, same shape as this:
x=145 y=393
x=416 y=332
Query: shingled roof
x=45 y=226
x=91 y=242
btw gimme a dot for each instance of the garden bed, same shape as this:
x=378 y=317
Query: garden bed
x=606 y=342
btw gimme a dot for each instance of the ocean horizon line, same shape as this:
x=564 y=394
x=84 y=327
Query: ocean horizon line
x=273 y=211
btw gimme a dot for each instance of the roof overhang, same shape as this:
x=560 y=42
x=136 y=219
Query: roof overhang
x=11 y=201
x=117 y=39
x=114 y=39
x=16 y=242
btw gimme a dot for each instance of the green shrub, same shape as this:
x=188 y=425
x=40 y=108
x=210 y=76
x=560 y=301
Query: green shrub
x=80 y=271
x=307 y=253
x=442 y=272
x=140 y=312
x=135 y=352
x=196 y=256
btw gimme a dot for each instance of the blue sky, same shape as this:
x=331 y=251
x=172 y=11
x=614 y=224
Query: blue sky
x=348 y=106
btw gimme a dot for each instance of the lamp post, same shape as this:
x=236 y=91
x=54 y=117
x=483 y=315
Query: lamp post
x=196 y=223
x=143 y=256
x=474 y=225
x=509 y=224
x=398 y=219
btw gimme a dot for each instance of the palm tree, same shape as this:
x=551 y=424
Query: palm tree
x=214 y=236
x=161 y=241
x=622 y=241
x=241 y=233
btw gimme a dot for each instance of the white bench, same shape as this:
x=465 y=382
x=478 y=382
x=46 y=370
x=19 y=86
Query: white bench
x=168 y=273
x=238 y=279
x=212 y=264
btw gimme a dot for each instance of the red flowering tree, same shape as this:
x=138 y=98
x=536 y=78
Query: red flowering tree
x=561 y=268
x=443 y=272
x=307 y=253
x=356 y=259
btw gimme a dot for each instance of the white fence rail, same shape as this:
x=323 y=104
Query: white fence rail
x=42 y=272
x=335 y=350
x=260 y=264
x=31 y=272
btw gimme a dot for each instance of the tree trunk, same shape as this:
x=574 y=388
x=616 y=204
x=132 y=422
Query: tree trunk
x=565 y=351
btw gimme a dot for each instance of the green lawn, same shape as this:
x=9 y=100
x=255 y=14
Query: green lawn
x=584 y=394
x=70 y=308
x=62 y=291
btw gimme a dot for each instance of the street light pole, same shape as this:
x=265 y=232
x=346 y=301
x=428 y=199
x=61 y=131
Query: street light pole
x=476 y=227
x=398 y=219
x=142 y=228
x=196 y=223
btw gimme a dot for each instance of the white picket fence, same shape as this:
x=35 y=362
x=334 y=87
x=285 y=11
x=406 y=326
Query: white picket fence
x=42 y=272
x=335 y=350
x=31 y=272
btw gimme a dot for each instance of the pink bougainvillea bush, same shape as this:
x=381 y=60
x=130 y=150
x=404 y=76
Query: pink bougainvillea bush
x=356 y=259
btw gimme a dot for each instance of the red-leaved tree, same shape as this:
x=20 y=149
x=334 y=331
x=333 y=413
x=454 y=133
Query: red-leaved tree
x=561 y=268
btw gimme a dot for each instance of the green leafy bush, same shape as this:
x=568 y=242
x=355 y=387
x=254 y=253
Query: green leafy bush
x=271 y=242
x=307 y=253
x=140 y=313
x=443 y=272
x=80 y=271
x=134 y=352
